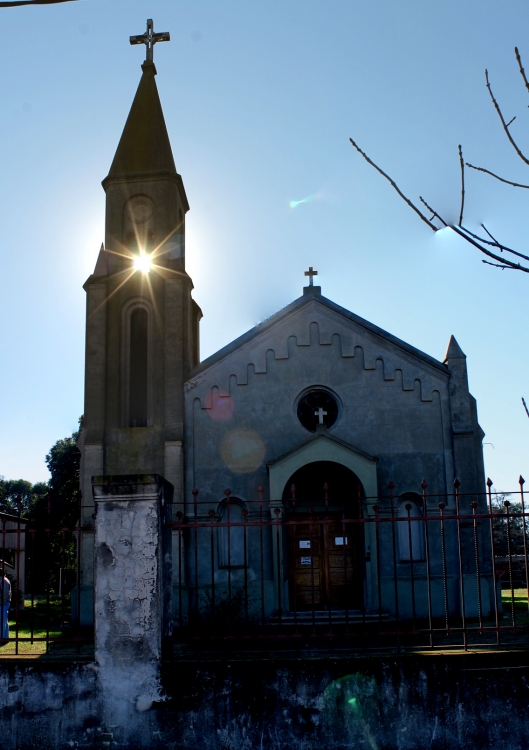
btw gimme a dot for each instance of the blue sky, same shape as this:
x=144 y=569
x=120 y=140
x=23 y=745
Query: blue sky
x=260 y=99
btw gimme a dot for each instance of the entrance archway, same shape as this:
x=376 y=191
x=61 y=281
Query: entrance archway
x=324 y=551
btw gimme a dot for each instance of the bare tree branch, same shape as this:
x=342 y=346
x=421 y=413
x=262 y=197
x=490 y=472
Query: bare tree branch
x=501 y=179
x=522 y=71
x=525 y=406
x=503 y=261
x=466 y=234
x=14 y=3
x=494 y=242
x=505 y=126
x=502 y=247
x=394 y=185
x=434 y=213
x=462 y=163
x=498 y=265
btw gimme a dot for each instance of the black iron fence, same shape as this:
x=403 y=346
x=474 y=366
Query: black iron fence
x=40 y=603
x=409 y=570
x=416 y=570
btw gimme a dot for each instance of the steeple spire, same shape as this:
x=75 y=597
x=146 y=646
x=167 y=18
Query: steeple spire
x=146 y=199
x=144 y=146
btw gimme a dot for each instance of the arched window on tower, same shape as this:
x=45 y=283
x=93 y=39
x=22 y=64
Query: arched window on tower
x=177 y=242
x=134 y=243
x=410 y=532
x=131 y=242
x=139 y=224
x=138 y=367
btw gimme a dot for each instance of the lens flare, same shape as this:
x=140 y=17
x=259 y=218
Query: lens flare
x=308 y=199
x=219 y=408
x=243 y=451
x=353 y=702
x=142 y=263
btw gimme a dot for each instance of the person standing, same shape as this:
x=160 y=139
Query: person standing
x=5 y=601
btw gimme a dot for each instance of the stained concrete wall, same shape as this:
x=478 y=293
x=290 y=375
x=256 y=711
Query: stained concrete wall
x=132 y=590
x=439 y=702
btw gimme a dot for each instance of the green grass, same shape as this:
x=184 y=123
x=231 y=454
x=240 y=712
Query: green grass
x=42 y=619
x=521 y=611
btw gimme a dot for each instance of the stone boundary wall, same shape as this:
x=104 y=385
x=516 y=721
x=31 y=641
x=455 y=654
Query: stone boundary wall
x=439 y=702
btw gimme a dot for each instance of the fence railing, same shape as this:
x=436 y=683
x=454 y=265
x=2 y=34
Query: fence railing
x=412 y=570
x=41 y=596
x=415 y=570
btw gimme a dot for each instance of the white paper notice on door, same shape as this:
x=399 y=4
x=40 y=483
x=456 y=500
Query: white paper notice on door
x=339 y=541
x=305 y=560
x=304 y=543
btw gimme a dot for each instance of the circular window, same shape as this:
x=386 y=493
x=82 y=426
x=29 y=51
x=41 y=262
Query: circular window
x=317 y=407
x=141 y=211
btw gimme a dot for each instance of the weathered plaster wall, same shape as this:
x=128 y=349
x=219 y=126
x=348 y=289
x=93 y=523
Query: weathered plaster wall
x=131 y=601
x=127 y=600
x=132 y=595
x=443 y=702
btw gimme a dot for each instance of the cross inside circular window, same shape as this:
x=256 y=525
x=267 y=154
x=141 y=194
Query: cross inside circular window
x=317 y=407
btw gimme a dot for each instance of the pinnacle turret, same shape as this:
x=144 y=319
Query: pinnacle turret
x=453 y=350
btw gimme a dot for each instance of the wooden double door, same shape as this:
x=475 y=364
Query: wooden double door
x=325 y=563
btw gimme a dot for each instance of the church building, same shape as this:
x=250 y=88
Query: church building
x=313 y=413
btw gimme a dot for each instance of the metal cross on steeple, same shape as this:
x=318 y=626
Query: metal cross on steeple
x=149 y=39
x=310 y=273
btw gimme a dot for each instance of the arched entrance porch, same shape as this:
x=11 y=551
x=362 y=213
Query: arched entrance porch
x=322 y=447
x=325 y=553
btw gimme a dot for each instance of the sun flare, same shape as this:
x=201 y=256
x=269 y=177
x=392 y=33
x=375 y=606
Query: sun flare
x=143 y=263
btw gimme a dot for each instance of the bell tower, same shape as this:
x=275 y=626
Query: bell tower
x=142 y=335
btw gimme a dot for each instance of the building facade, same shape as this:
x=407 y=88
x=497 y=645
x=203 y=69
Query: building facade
x=307 y=417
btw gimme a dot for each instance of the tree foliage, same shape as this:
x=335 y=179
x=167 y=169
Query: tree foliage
x=19 y=495
x=52 y=511
x=63 y=487
x=60 y=494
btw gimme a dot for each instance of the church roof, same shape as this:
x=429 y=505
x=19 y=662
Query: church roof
x=144 y=145
x=313 y=295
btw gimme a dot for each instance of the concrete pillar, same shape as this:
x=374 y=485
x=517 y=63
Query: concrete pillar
x=132 y=584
